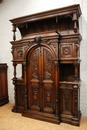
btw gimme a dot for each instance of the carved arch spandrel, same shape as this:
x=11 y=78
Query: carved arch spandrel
x=33 y=47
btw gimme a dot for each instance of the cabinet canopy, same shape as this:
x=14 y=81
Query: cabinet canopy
x=56 y=20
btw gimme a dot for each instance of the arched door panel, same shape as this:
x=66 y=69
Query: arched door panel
x=41 y=83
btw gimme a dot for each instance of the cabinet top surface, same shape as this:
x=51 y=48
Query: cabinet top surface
x=48 y=14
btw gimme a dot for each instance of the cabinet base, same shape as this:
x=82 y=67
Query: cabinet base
x=4 y=100
x=41 y=116
x=69 y=119
x=17 y=109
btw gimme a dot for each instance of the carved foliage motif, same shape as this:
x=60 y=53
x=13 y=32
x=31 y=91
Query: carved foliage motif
x=47 y=65
x=55 y=47
x=35 y=65
x=67 y=100
x=22 y=94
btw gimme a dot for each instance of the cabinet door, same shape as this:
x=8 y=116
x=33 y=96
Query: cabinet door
x=66 y=102
x=41 y=84
x=3 y=84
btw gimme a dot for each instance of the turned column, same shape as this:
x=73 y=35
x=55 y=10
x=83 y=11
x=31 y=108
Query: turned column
x=76 y=102
x=76 y=71
x=14 y=64
x=15 y=87
x=56 y=85
x=14 y=30
x=75 y=21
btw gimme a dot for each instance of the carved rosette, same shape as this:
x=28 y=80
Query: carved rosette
x=66 y=50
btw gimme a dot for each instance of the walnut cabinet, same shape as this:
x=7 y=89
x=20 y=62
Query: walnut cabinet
x=3 y=84
x=49 y=55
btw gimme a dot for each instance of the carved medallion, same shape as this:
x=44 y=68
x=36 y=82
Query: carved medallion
x=66 y=50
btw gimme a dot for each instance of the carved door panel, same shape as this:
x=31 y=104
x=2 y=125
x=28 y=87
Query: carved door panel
x=40 y=74
x=66 y=102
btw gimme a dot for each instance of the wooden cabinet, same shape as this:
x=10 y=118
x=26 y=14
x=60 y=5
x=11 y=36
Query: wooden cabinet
x=3 y=84
x=49 y=54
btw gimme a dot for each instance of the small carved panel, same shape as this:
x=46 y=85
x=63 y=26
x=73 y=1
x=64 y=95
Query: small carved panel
x=54 y=45
x=35 y=99
x=21 y=95
x=48 y=99
x=19 y=53
x=67 y=99
x=66 y=50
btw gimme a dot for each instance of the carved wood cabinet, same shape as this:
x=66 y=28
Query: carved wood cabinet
x=49 y=55
x=3 y=84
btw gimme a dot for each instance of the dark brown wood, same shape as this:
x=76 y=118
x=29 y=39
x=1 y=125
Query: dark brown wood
x=49 y=52
x=3 y=85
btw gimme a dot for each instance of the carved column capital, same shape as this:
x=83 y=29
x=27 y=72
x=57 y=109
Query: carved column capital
x=76 y=65
x=56 y=63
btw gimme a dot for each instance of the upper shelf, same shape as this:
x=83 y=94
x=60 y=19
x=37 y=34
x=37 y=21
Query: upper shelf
x=48 y=14
x=63 y=20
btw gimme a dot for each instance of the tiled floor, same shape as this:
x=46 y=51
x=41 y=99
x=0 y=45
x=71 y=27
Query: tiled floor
x=15 y=121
